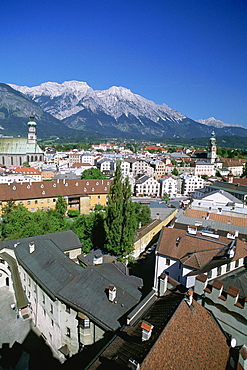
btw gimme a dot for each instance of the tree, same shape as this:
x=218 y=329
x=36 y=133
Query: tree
x=90 y=230
x=166 y=197
x=18 y=222
x=120 y=223
x=244 y=174
x=61 y=206
x=175 y=172
x=25 y=164
x=142 y=214
x=92 y=173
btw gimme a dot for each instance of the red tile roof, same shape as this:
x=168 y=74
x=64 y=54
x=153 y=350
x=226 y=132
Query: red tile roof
x=195 y=251
x=241 y=221
x=187 y=342
x=47 y=189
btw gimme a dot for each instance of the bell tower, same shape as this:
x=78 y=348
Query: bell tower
x=31 y=136
x=212 y=149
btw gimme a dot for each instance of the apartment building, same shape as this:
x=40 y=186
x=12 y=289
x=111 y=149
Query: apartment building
x=81 y=195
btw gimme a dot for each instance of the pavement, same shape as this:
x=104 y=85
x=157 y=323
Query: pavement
x=12 y=327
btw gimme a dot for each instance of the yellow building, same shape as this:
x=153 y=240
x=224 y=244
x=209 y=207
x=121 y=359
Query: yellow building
x=81 y=195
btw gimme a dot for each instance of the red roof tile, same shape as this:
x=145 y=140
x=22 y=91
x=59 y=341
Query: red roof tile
x=187 y=342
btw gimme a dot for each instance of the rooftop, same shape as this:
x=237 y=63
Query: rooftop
x=181 y=339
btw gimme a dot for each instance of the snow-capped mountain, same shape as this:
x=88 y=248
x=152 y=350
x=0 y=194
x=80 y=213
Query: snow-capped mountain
x=70 y=97
x=216 y=123
x=115 y=112
x=61 y=100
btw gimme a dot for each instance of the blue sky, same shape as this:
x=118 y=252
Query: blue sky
x=188 y=54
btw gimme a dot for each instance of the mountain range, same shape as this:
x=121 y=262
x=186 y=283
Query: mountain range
x=74 y=109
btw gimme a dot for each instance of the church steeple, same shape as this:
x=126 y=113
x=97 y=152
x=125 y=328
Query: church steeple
x=31 y=136
x=212 y=148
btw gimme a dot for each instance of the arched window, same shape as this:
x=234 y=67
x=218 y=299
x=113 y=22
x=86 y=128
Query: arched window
x=36 y=158
x=20 y=161
x=31 y=158
x=28 y=158
x=11 y=161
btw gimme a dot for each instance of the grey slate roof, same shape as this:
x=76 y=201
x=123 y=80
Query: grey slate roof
x=220 y=226
x=48 y=265
x=238 y=280
x=89 y=292
x=230 y=187
x=64 y=240
x=84 y=289
x=226 y=194
x=142 y=179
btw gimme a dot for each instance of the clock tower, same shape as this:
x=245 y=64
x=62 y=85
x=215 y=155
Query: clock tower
x=31 y=136
x=212 y=149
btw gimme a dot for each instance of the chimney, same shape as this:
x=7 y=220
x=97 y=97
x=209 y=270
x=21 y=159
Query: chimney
x=189 y=297
x=31 y=247
x=192 y=230
x=162 y=284
x=146 y=330
x=112 y=293
x=133 y=364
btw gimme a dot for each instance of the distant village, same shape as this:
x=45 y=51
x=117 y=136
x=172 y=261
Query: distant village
x=96 y=308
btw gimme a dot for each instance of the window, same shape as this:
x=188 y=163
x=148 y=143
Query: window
x=228 y=266
x=168 y=262
x=51 y=310
x=44 y=312
x=218 y=271
x=68 y=333
x=28 y=202
x=36 y=202
x=52 y=323
x=84 y=323
x=237 y=263
x=43 y=298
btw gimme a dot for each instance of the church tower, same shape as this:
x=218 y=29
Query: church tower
x=212 y=149
x=31 y=136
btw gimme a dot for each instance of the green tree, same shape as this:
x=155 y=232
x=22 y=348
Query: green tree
x=175 y=172
x=92 y=173
x=61 y=206
x=166 y=197
x=244 y=174
x=25 y=164
x=21 y=223
x=142 y=214
x=90 y=230
x=120 y=224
